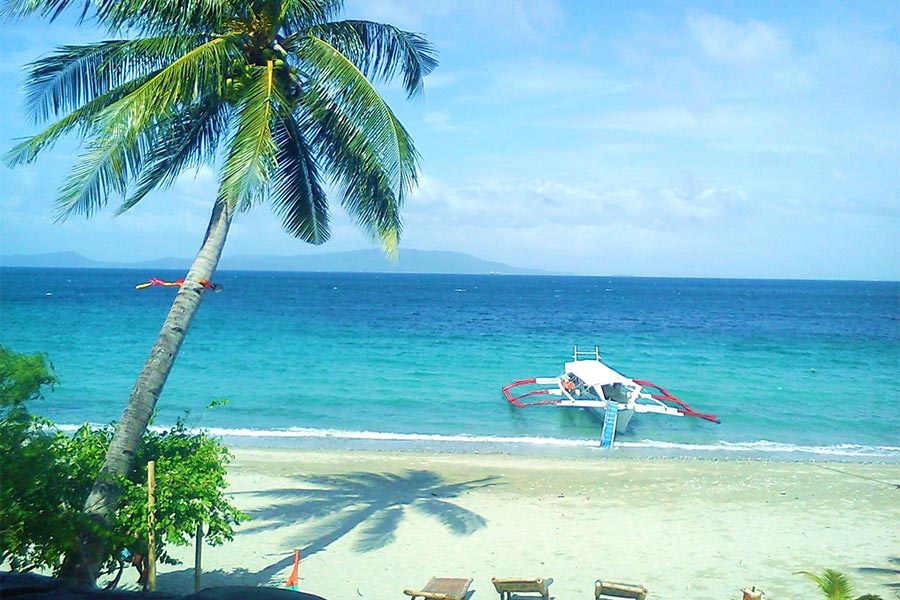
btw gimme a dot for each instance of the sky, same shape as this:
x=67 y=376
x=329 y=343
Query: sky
x=674 y=139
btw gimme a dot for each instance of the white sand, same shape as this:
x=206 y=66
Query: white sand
x=371 y=524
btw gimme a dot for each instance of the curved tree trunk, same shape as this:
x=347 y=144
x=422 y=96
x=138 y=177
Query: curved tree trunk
x=103 y=499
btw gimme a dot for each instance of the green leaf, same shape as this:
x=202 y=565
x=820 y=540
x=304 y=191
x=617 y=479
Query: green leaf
x=297 y=193
x=381 y=50
x=124 y=133
x=75 y=75
x=193 y=75
x=297 y=15
x=359 y=139
x=188 y=139
x=27 y=150
x=147 y=16
x=833 y=584
x=22 y=376
x=251 y=150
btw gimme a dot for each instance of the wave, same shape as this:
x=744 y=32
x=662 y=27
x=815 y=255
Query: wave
x=541 y=445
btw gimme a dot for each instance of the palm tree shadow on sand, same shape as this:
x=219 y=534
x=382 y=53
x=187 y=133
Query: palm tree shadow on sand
x=376 y=502
x=891 y=571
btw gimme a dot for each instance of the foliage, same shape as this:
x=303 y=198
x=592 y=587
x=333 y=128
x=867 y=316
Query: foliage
x=36 y=520
x=275 y=93
x=30 y=515
x=40 y=515
x=47 y=475
x=190 y=482
x=22 y=376
x=835 y=585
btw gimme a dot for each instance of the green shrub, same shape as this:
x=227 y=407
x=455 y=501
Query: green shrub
x=45 y=478
x=22 y=376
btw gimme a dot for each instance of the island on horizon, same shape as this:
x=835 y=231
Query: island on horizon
x=353 y=261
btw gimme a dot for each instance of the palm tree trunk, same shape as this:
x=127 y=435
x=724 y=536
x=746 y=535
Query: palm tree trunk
x=103 y=499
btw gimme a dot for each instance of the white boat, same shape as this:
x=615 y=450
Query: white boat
x=589 y=384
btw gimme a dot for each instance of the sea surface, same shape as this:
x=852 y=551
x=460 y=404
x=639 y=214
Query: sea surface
x=796 y=370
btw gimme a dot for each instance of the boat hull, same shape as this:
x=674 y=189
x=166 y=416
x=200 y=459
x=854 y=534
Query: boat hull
x=624 y=417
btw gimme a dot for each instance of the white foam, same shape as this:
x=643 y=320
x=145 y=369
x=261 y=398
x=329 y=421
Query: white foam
x=763 y=448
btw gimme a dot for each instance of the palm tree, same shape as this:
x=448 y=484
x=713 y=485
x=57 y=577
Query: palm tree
x=835 y=585
x=275 y=94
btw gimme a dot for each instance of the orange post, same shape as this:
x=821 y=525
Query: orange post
x=293 y=582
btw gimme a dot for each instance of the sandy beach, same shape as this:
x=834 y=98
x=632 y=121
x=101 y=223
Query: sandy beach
x=370 y=524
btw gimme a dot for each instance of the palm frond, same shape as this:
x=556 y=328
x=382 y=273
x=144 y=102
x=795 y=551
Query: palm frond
x=151 y=17
x=122 y=132
x=69 y=78
x=342 y=96
x=359 y=141
x=146 y=16
x=161 y=101
x=75 y=75
x=84 y=117
x=17 y=9
x=200 y=71
x=367 y=191
x=297 y=193
x=111 y=160
x=297 y=15
x=251 y=151
x=832 y=583
x=381 y=50
x=189 y=139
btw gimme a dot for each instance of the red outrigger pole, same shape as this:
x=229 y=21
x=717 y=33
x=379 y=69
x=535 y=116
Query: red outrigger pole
x=665 y=396
x=515 y=400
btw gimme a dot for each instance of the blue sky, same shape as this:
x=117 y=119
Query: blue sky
x=707 y=139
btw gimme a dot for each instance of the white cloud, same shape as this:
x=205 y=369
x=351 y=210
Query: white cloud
x=439 y=118
x=746 y=44
x=525 y=204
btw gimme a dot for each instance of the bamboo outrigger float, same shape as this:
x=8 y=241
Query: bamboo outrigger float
x=589 y=384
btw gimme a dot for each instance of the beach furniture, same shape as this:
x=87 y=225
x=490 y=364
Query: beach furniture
x=589 y=384
x=442 y=588
x=508 y=588
x=604 y=590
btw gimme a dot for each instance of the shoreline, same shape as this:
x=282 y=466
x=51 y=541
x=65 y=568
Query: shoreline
x=311 y=440
x=537 y=447
x=371 y=523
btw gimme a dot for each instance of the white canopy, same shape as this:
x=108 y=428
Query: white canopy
x=595 y=373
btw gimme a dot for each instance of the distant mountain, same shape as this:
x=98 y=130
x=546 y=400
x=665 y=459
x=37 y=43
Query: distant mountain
x=357 y=261
x=69 y=260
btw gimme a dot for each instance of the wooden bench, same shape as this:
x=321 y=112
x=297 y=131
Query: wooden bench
x=507 y=587
x=442 y=588
x=603 y=590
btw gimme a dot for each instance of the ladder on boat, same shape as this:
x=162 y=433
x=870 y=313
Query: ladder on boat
x=609 y=425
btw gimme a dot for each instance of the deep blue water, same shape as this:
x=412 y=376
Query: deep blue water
x=805 y=368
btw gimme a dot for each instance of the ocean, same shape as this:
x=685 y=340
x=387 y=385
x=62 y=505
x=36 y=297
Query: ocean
x=796 y=370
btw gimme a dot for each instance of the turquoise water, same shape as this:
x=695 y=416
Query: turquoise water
x=793 y=368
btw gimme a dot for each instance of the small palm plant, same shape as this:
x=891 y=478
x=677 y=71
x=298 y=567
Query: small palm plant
x=836 y=586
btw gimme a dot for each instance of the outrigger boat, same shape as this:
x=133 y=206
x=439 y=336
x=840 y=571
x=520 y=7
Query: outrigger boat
x=589 y=384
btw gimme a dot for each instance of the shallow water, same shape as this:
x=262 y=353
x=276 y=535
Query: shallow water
x=804 y=369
